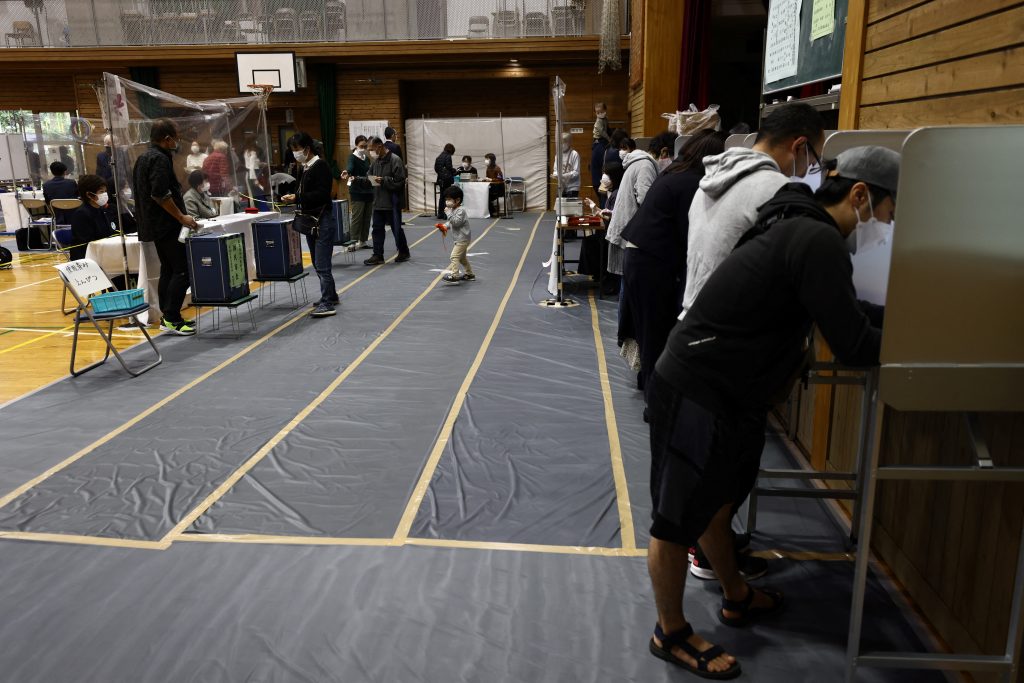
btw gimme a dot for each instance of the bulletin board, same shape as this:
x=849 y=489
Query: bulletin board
x=804 y=43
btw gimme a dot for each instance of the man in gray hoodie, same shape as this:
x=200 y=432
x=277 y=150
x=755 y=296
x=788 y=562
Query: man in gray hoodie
x=737 y=183
x=740 y=180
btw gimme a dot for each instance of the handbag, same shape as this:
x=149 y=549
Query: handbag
x=307 y=224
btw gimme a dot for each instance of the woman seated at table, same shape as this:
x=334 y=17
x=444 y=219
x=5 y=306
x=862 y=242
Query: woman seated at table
x=497 y=178
x=94 y=219
x=198 y=202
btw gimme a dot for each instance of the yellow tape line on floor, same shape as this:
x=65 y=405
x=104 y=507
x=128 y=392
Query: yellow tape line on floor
x=175 y=394
x=226 y=485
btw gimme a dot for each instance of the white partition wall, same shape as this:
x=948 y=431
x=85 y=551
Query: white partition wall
x=520 y=144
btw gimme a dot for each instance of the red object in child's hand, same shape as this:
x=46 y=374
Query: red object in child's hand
x=442 y=227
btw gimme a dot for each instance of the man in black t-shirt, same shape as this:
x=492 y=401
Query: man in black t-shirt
x=736 y=352
x=160 y=211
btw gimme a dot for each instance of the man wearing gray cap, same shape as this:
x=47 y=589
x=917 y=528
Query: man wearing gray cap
x=739 y=349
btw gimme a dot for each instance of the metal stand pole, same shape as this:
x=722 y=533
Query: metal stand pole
x=117 y=185
x=867 y=510
x=867 y=410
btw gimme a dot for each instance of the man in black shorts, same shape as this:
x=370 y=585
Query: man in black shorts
x=741 y=344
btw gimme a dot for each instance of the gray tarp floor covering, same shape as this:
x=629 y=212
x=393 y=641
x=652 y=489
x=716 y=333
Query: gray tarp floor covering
x=527 y=463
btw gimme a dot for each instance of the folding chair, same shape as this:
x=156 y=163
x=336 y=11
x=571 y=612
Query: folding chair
x=60 y=211
x=84 y=278
x=39 y=219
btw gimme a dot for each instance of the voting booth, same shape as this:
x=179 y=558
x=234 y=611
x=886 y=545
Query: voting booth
x=952 y=335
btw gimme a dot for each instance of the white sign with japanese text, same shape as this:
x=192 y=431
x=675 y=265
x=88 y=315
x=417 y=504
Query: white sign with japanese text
x=85 y=276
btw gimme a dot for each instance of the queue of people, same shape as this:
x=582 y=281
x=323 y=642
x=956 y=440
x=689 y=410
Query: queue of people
x=726 y=263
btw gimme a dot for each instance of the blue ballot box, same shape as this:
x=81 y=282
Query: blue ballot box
x=216 y=268
x=278 y=249
x=341 y=221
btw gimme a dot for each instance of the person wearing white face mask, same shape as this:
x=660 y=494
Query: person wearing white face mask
x=360 y=194
x=458 y=225
x=198 y=203
x=313 y=198
x=94 y=219
x=567 y=168
x=194 y=161
x=741 y=180
x=740 y=348
x=467 y=169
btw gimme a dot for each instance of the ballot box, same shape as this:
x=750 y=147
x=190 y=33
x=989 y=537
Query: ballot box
x=217 y=269
x=278 y=249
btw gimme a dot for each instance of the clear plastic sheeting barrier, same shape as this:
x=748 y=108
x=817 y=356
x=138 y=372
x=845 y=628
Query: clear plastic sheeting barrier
x=227 y=138
x=41 y=139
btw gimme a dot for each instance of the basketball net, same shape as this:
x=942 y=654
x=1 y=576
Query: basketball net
x=262 y=91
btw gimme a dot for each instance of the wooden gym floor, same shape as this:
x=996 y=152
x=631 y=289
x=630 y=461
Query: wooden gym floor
x=35 y=337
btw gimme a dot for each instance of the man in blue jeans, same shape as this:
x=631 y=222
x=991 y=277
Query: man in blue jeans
x=387 y=173
x=314 y=199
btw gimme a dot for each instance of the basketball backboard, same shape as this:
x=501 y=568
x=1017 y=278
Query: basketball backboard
x=272 y=68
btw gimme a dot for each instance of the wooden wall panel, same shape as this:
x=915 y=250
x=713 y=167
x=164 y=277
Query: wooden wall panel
x=55 y=92
x=437 y=98
x=928 y=18
x=992 y=32
x=656 y=49
x=943 y=62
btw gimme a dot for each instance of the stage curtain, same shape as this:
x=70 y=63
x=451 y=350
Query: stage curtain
x=695 y=61
x=326 y=95
x=147 y=75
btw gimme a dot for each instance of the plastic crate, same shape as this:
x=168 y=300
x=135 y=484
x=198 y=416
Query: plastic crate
x=117 y=301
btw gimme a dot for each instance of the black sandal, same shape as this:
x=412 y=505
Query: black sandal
x=746 y=611
x=678 y=639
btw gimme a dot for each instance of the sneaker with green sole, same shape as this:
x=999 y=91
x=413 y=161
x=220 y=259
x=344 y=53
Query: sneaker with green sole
x=180 y=328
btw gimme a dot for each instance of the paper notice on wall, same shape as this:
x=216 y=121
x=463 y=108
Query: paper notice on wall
x=823 y=18
x=782 y=49
x=368 y=128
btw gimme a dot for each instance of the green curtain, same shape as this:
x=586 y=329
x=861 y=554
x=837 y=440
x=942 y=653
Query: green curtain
x=147 y=75
x=327 y=95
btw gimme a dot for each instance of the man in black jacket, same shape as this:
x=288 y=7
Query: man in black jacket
x=60 y=187
x=387 y=173
x=160 y=210
x=733 y=354
x=445 y=176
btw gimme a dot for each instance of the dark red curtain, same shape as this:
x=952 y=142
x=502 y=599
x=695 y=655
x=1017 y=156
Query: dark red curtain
x=695 y=61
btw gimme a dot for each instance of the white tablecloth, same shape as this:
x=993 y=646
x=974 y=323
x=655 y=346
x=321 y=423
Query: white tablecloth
x=475 y=198
x=15 y=216
x=143 y=260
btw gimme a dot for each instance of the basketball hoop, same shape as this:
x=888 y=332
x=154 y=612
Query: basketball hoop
x=261 y=90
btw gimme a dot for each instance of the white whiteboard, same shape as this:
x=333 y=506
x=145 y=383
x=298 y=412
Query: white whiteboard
x=368 y=128
x=13 y=164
